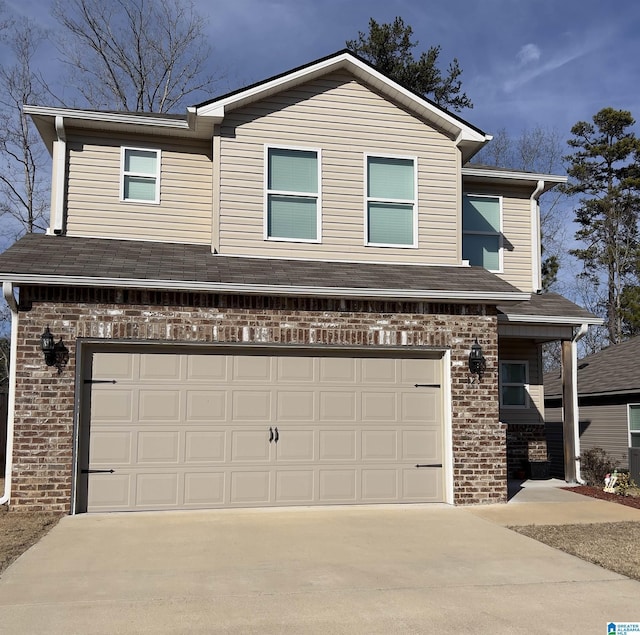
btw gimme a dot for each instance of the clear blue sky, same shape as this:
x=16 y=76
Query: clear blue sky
x=524 y=62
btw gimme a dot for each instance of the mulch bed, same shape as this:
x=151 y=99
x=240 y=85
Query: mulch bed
x=596 y=492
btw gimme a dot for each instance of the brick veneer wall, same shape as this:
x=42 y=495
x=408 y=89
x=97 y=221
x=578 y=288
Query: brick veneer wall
x=525 y=443
x=42 y=459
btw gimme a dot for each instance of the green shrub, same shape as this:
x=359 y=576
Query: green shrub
x=624 y=483
x=595 y=464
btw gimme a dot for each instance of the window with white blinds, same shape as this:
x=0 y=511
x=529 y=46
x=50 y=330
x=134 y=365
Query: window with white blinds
x=391 y=202
x=293 y=194
x=140 y=175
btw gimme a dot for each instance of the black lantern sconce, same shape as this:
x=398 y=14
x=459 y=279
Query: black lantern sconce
x=55 y=353
x=477 y=362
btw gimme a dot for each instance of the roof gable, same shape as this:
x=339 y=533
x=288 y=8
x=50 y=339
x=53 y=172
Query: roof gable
x=469 y=138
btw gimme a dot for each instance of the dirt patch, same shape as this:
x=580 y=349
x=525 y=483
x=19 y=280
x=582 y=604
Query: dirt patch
x=20 y=530
x=596 y=492
x=613 y=546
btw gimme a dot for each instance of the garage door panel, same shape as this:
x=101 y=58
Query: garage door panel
x=379 y=445
x=110 y=491
x=158 y=447
x=158 y=490
x=205 y=446
x=158 y=367
x=196 y=433
x=380 y=484
x=337 y=486
x=296 y=369
x=159 y=405
x=250 y=446
x=337 y=406
x=251 y=406
x=379 y=406
x=421 y=445
x=250 y=487
x=204 y=489
x=111 y=448
x=206 y=405
x=295 y=486
x=208 y=368
x=337 y=370
x=295 y=406
x=112 y=405
x=337 y=445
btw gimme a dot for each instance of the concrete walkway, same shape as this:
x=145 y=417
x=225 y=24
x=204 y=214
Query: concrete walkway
x=403 y=569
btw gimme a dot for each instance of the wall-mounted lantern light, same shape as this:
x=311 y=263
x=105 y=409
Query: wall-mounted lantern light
x=477 y=362
x=55 y=353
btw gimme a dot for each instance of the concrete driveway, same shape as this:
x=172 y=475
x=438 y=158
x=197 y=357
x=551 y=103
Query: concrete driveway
x=407 y=569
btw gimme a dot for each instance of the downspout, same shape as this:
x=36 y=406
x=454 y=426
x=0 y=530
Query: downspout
x=536 y=251
x=582 y=331
x=60 y=174
x=7 y=291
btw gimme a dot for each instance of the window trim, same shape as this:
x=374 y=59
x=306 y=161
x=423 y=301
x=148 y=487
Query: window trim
x=374 y=199
x=124 y=173
x=630 y=434
x=525 y=385
x=267 y=192
x=499 y=233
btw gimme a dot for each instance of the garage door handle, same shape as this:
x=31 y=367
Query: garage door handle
x=429 y=465
x=277 y=437
x=97 y=471
x=270 y=435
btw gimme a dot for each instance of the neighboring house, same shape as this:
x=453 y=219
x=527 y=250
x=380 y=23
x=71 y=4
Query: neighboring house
x=609 y=402
x=272 y=301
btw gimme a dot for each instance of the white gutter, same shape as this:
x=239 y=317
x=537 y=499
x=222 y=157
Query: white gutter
x=60 y=171
x=7 y=291
x=513 y=175
x=536 y=246
x=549 y=319
x=582 y=331
x=267 y=289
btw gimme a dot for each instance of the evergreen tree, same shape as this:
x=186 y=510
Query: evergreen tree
x=605 y=173
x=389 y=48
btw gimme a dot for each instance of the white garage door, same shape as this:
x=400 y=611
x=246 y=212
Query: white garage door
x=180 y=431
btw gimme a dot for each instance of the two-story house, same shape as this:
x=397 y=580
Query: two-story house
x=272 y=301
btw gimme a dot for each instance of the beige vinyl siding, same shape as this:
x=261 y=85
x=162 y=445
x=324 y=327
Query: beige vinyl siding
x=344 y=120
x=524 y=351
x=516 y=230
x=601 y=426
x=94 y=208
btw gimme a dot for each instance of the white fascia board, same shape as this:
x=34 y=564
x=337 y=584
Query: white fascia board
x=551 y=319
x=513 y=175
x=364 y=71
x=106 y=117
x=264 y=289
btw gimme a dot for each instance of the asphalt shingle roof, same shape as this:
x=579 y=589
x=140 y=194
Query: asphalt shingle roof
x=614 y=369
x=547 y=305
x=38 y=254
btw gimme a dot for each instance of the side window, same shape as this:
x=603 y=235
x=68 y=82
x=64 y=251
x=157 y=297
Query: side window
x=140 y=175
x=514 y=384
x=292 y=195
x=482 y=231
x=391 y=218
x=634 y=425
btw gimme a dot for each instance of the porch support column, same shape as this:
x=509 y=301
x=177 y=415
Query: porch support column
x=570 y=413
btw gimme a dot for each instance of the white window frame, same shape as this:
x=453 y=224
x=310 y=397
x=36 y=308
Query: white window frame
x=480 y=233
x=267 y=192
x=124 y=173
x=635 y=432
x=527 y=399
x=374 y=199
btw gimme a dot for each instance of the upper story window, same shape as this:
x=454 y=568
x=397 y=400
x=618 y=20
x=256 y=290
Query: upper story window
x=293 y=194
x=140 y=175
x=514 y=384
x=634 y=425
x=482 y=231
x=391 y=219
